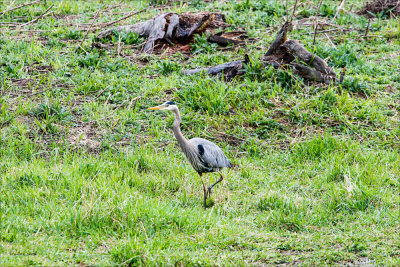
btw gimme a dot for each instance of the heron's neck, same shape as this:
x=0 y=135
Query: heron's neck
x=177 y=129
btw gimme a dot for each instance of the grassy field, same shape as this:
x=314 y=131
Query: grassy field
x=88 y=176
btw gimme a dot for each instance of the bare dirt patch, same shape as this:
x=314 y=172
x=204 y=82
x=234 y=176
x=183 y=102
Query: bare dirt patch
x=84 y=136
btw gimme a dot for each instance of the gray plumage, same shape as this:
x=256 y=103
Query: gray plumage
x=203 y=155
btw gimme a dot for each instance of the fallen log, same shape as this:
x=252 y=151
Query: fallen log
x=310 y=74
x=230 y=70
x=298 y=51
x=284 y=54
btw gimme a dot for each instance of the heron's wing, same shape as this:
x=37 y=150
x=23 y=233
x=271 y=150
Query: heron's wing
x=210 y=154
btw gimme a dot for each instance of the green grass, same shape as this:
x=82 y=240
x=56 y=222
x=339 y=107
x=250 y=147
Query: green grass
x=88 y=176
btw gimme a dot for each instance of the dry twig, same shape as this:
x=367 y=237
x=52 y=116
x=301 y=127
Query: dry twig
x=338 y=10
x=134 y=99
x=17 y=7
x=7 y=9
x=351 y=128
x=91 y=24
x=34 y=20
x=316 y=22
x=367 y=30
x=294 y=10
x=127 y=16
x=101 y=92
x=329 y=39
x=232 y=136
x=330 y=30
x=315 y=31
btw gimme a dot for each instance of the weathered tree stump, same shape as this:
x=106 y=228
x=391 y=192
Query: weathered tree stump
x=171 y=27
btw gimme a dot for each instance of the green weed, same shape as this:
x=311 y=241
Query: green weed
x=208 y=95
x=127 y=37
x=50 y=111
x=88 y=176
x=201 y=45
x=166 y=67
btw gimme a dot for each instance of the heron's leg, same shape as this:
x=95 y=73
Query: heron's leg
x=205 y=190
x=211 y=186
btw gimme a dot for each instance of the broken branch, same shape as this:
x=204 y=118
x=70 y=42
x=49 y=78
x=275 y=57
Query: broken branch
x=91 y=24
x=217 y=69
x=338 y=10
x=294 y=10
x=297 y=50
x=222 y=41
x=123 y=18
x=17 y=7
x=367 y=30
x=34 y=20
x=309 y=73
x=281 y=37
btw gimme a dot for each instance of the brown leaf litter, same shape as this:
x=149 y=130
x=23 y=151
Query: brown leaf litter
x=389 y=7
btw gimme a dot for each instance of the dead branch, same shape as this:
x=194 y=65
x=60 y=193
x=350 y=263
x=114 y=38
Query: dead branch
x=41 y=16
x=296 y=49
x=101 y=92
x=331 y=30
x=309 y=73
x=315 y=31
x=294 y=10
x=17 y=7
x=222 y=41
x=112 y=7
x=338 y=10
x=91 y=24
x=329 y=39
x=351 y=128
x=367 y=30
x=229 y=70
x=7 y=9
x=123 y=18
x=133 y=100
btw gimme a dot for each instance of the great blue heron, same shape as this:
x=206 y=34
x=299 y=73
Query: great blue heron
x=203 y=155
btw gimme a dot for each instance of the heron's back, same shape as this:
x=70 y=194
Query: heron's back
x=205 y=156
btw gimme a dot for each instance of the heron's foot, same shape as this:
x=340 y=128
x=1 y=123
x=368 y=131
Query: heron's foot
x=209 y=203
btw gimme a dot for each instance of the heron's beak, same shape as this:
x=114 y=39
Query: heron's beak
x=156 y=108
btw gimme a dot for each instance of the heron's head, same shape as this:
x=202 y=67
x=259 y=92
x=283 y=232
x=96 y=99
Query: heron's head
x=166 y=106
